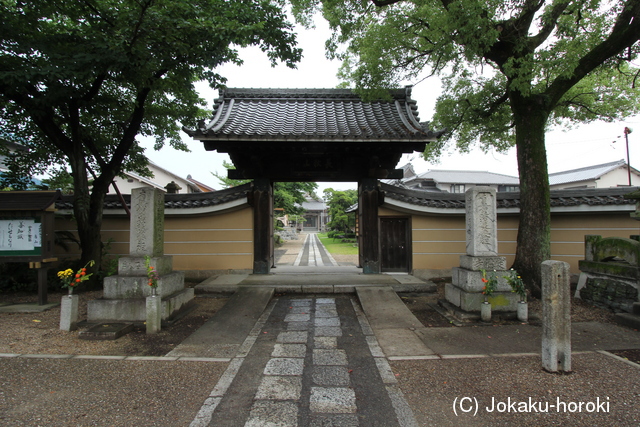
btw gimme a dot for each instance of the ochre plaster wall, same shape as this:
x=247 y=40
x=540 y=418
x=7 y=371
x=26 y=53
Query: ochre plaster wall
x=212 y=242
x=439 y=240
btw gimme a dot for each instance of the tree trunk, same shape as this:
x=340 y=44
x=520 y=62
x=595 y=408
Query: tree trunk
x=534 y=243
x=87 y=209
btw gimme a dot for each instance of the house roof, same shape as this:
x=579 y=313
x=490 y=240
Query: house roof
x=469 y=177
x=321 y=114
x=559 y=198
x=184 y=201
x=28 y=200
x=200 y=185
x=194 y=185
x=588 y=173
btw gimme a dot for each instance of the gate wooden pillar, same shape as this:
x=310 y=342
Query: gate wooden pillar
x=368 y=202
x=262 y=202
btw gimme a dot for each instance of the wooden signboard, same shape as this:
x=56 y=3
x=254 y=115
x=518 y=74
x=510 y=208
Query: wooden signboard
x=27 y=231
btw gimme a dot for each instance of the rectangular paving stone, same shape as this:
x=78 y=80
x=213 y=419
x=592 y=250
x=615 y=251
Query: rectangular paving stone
x=289 y=350
x=334 y=400
x=292 y=337
x=333 y=420
x=284 y=366
x=327 y=321
x=273 y=413
x=335 y=376
x=298 y=326
x=328 y=331
x=279 y=388
x=300 y=302
x=297 y=317
x=325 y=301
x=326 y=312
x=325 y=342
x=329 y=357
x=300 y=309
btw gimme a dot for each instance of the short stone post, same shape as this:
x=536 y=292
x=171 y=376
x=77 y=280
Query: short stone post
x=69 y=313
x=556 y=317
x=154 y=314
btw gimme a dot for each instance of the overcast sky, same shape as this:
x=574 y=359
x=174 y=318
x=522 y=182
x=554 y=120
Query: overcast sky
x=583 y=146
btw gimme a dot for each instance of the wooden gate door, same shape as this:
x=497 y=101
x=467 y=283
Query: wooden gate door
x=395 y=244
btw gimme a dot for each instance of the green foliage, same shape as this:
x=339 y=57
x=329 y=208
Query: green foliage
x=490 y=283
x=509 y=70
x=286 y=195
x=517 y=284
x=81 y=80
x=339 y=202
x=18 y=277
x=338 y=247
x=59 y=179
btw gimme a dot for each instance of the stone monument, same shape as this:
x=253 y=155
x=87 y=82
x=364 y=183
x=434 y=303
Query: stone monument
x=465 y=290
x=124 y=295
x=556 y=317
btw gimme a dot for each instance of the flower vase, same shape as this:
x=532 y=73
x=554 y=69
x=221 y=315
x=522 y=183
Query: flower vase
x=485 y=311
x=69 y=312
x=523 y=311
x=154 y=291
x=153 y=313
x=70 y=291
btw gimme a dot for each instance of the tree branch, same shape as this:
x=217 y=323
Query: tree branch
x=549 y=25
x=493 y=107
x=625 y=33
x=382 y=3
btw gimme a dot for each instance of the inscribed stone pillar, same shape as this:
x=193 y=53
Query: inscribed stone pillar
x=368 y=194
x=147 y=222
x=262 y=201
x=556 y=316
x=482 y=232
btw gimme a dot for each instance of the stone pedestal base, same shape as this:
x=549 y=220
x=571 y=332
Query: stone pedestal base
x=124 y=287
x=124 y=295
x=69 y=313
x=134 y=309
x=465 y=290
x=471 y=301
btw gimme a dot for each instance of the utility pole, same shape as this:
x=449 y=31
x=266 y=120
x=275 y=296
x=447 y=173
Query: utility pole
x=627 y=131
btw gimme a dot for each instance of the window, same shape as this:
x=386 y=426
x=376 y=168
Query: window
x=509 y=188
x=457 y=188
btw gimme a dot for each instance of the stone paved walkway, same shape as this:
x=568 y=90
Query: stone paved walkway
x=310 y=361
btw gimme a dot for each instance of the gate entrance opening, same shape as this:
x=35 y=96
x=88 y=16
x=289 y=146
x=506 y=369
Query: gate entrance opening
x=314 y=135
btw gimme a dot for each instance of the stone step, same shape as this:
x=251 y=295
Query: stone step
x=628 y=319
x=636 y=308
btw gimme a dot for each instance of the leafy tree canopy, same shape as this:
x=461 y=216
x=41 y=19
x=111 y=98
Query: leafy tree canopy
x=509 y=68
x=339 y=202
x=80 y=80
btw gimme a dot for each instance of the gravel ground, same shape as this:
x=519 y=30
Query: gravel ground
x=432 y=386
x=39 y=333
x=35 y=391
x=75 y=392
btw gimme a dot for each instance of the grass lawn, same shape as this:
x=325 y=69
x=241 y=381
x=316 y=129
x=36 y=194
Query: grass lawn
x=336 y=247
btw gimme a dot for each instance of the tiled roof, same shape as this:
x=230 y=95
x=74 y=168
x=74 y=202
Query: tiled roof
x=469 y=177
x=559 y=198
x=28 y=200
x=584 y=174
x=176 y=201
x=318 y=114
